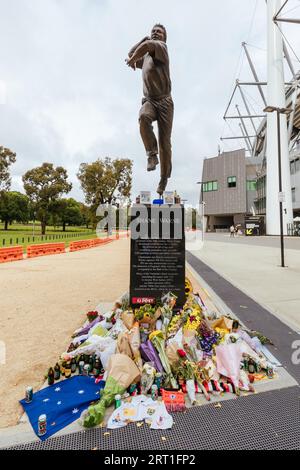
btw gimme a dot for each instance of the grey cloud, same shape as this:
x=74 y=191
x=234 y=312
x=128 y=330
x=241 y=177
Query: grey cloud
x=71 y=98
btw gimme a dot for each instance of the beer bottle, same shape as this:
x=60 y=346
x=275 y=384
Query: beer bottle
x=97 y=367
x=56 y=372
x=251 y=366
x=73 y=365
x=63 y=367
x=50 y=376
x=94 y=359
x=68 y=370
x=90 y=364
x=81 y=358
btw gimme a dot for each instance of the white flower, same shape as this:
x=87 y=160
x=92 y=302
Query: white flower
x=81 y=392
x=58 y=389
x=46 y=399
x=75 y=411
x=58 y=403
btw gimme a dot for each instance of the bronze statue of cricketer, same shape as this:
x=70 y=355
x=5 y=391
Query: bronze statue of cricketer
x=151 y=55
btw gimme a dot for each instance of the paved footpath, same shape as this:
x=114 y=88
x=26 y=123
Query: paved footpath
x=254 y=269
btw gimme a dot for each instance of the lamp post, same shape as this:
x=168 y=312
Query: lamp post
x=203 y=204
x=287 y=111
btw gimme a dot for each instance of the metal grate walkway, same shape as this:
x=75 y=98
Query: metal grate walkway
x=264 y=421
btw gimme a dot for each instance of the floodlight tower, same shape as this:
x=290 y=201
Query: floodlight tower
x=276 y=98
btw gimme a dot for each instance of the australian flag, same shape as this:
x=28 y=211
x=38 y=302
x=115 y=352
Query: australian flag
x=62 y=403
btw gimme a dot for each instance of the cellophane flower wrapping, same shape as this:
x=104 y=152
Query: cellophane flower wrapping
x=190 y=388
x=157 y=338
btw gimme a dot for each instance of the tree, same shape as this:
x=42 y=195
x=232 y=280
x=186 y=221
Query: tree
x=44 y=185
x=7 y=157
x=104 y=181
x=14 y=206
x=85 y=214
x=69 y=212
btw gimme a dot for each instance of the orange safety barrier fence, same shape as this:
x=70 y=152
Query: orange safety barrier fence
x=84 y=244
x=12 y=253
x=45 y=249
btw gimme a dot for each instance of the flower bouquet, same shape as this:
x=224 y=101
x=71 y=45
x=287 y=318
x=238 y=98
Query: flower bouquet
x=91 y=316
x=174 y=325
x=166 y=314
x=158 y=340
x=122 y=372
x=184 y=370
x=190 y=382
x=144 y=312
x=193 y=321
x=207 y=337
x=188 y=287
x=147 y=315
x=147 y=379
x=169 y=302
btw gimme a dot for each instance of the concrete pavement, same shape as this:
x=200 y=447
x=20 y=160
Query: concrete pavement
x=255 y=270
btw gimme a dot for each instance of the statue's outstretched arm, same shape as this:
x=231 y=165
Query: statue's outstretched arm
x=139 y=53
x=134 y=48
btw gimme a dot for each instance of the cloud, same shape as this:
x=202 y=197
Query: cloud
x=70 y=97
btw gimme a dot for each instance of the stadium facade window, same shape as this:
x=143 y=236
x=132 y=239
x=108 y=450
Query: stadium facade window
x=231 y=182
x=251 y=185
x=210 y=186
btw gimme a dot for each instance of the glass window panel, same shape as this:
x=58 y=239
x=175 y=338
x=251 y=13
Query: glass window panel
x=251 y=185
x=231 y=181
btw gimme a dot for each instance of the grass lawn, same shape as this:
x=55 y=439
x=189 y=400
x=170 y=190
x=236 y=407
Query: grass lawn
x=24 y=235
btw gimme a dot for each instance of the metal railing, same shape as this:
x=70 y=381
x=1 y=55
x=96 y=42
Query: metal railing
x=22 y=239
x=293 y=230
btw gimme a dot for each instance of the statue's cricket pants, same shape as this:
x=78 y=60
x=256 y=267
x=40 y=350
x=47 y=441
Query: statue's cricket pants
x=162 y=111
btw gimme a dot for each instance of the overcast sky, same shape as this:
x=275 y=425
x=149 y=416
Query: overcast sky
x=68 y=97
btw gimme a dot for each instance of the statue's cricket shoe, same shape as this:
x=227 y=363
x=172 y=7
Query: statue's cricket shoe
x=162 y=185
x=152 y=163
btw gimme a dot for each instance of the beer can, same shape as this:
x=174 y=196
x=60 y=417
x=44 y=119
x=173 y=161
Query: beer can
x=270 y=372
x=158 y=380
x=154 y=392
x=42 y=425
x=28 y=394
x=118 y=401
x=133 y=390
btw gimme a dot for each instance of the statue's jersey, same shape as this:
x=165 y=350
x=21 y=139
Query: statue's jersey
x=156 y=72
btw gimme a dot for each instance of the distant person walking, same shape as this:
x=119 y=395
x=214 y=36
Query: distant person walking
x=232 y=231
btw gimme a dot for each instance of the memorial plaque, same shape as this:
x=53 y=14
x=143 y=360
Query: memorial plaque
x=157 y=264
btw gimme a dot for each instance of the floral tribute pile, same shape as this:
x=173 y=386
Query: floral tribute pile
x=164 y=352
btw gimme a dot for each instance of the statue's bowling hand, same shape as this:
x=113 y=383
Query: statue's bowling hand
x=130 y=62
